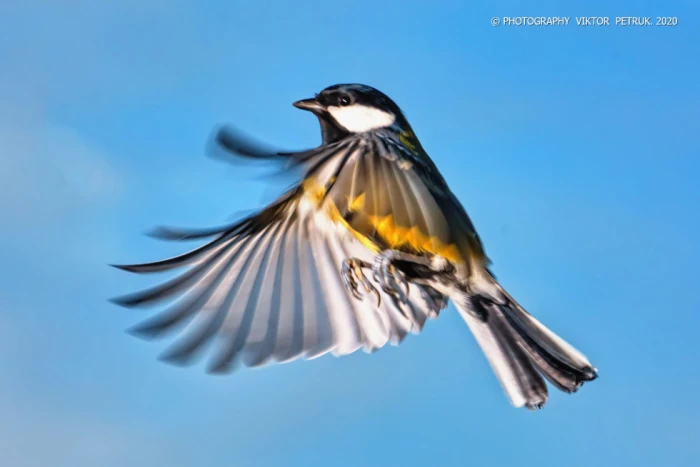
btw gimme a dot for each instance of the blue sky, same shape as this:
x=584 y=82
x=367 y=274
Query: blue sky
x=575 y=150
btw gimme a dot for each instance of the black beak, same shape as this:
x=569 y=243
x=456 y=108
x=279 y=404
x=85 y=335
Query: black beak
x=312 y=105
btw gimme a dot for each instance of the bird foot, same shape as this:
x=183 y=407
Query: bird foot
x=390 y=279
x=353 y=277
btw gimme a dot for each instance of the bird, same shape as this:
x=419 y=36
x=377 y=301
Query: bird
x=366 y=246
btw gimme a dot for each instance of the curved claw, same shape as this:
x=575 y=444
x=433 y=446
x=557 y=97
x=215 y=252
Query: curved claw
x=379 y=297
x=390 y=279
x=405 y=284
x=366 y=283
x=349 y=281
x=353 y=276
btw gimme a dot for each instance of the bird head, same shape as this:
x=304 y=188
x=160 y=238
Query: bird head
x=346 y=109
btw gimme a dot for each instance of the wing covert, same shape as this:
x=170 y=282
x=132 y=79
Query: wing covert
x=387 y=196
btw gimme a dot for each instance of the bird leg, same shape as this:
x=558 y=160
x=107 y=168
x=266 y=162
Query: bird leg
x=390 y=278
x=395 y=269
x=353 y=276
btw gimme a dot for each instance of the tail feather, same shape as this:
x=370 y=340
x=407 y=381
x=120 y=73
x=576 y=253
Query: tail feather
x=519 y=378
x=549 y=342
x=556 y=365
x=521 y=350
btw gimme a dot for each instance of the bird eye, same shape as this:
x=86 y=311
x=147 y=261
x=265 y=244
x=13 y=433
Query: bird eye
x=344 y=100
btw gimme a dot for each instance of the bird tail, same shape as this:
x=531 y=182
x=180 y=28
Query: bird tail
x=521 y=350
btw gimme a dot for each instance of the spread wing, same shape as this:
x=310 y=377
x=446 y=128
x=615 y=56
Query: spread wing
x=268 y=288
x=393 y=194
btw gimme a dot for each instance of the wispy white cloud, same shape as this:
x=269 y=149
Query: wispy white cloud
x=46 y=169
x=57 y=186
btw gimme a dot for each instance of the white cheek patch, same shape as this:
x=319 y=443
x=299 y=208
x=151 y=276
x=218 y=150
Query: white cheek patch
x=360 y=118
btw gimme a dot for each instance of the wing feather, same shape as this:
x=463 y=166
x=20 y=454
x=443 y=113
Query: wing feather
x=237 y=311
x=291 y=327
x=343 y=312
x=268 y=288
x=217 y=308
x=196 y=298
x=326 y=307
x=263 y=333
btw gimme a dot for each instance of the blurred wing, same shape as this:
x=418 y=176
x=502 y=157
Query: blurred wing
x=396 y=197
x=268 y=288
